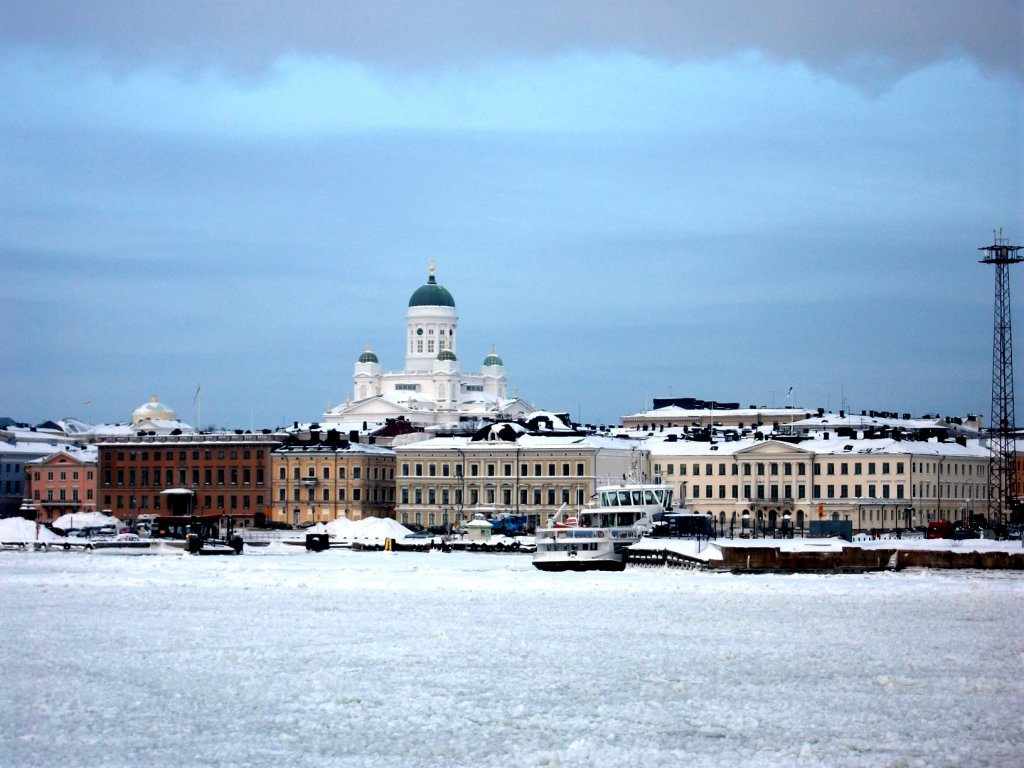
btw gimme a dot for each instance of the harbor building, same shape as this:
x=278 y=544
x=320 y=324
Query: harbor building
x=63 y=483
x=319 y=476
x=767 y=481
x=229 y=472
x=432 y=388
x=509 y=468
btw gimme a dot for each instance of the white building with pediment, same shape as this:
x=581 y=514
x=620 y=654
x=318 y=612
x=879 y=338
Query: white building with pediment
x=432 y=389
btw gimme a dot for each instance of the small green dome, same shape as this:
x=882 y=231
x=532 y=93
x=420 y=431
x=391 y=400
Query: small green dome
x=431 y=294
x=368 y=356
x=493 y=359
x=446 y=354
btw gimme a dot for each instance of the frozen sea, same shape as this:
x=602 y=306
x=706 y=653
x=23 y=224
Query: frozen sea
x=429 y=659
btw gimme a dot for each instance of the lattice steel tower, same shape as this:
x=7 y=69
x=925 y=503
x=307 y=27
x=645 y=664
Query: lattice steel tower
x=1002 y=428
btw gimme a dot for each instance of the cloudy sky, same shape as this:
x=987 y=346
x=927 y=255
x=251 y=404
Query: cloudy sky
x=629 y=200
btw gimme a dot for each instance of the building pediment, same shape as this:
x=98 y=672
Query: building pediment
x=771 y=448
x=373 y=406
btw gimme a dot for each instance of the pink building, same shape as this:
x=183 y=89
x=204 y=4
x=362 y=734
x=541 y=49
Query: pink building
x=64 y=483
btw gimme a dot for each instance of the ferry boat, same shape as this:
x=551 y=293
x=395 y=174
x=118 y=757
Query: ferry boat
x=595 y=537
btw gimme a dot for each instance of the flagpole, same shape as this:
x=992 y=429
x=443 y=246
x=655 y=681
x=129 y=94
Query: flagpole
x=197 y=401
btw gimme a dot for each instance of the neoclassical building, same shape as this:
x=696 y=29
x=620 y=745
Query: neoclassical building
x=432 y=389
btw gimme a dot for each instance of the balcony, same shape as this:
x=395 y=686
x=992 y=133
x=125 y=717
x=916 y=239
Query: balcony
x=309 y=481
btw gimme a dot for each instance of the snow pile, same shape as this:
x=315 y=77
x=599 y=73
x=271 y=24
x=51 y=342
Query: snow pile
x=370 y=529
x=79 y=520
x=16 y=530
x=377 y=529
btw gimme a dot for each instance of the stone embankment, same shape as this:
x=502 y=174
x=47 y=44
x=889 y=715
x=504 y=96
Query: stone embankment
x=823 y=557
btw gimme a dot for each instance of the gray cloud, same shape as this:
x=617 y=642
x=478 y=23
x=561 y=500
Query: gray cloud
x=868 y=42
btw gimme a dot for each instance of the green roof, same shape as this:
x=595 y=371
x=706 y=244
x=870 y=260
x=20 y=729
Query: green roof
x=446 y=354
x=368 y=357
x=431 y=295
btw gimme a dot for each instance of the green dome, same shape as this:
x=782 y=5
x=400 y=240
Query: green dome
x=368 y=356
x=446 y=354
x=493 y=359
x=431 y=295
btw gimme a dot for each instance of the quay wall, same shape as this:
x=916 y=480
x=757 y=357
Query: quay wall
x=768 y=558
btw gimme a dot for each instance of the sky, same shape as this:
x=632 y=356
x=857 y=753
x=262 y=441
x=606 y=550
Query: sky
x=721 y=200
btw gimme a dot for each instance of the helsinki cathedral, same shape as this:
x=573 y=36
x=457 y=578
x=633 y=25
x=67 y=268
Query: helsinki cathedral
x=432 y=390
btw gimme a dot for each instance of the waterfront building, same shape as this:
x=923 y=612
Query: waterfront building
x=761 y=481
x=318 y=476
x=228 y=471
x=506 y=467
x=432 y=388
x=63 y=483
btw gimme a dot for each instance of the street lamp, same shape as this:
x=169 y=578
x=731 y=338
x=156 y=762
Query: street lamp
x=745 y=529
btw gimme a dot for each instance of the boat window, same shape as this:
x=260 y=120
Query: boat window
x=624 y=498
x=637 y=498
x=585 y=521
x=650 y=498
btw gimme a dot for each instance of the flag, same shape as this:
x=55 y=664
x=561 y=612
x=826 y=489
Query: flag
x=196 y=395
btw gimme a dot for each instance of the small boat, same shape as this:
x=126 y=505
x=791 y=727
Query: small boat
x=594 y=538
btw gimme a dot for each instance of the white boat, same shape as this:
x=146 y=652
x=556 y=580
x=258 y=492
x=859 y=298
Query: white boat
x=595 y=537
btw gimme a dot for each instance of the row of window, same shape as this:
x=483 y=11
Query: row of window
x=375 y=495
x=374 y=472
x=207 y=453
x=490 y=469
x=786 y=468
x=37 y=475
x=490 y=496
x=144 y=502
x=144 y=478
x=773 y=492
x=62 y=494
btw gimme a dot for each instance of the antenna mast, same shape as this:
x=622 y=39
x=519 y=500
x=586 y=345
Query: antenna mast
x=1002 y=429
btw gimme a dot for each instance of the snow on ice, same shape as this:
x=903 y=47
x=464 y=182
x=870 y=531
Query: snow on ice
x=370 y=659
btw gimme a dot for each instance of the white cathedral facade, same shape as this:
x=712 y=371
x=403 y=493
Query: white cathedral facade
x=432 y=390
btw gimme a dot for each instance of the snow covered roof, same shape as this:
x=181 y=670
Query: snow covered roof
x=85 y=454
x=834 y=445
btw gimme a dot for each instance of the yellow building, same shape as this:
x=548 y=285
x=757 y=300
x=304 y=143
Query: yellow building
x=316 y=481
x=873 y=482
x=446 y=480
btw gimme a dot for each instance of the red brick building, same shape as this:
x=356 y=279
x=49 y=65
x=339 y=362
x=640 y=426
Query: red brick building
x=229 y=472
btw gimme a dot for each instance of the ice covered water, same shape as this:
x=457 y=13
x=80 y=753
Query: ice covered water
x=418 y=659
